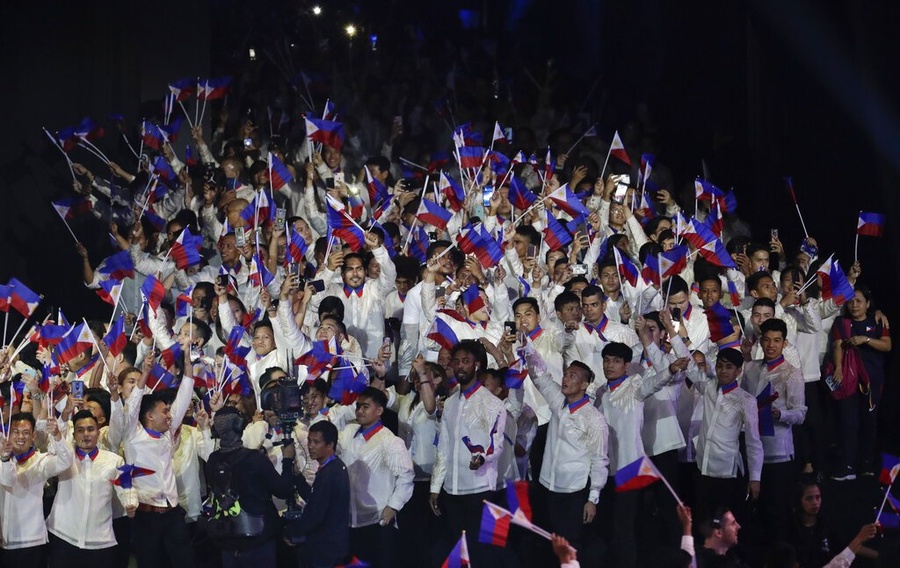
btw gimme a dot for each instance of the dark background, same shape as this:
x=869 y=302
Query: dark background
x=760 y=90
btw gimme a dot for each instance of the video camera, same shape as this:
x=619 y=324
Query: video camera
x=285 y=401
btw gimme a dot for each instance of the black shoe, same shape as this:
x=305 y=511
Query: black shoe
x=845 y=473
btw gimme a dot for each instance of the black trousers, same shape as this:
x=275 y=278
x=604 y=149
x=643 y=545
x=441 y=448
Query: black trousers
x=256 y=557
x=775 y=489
x=463 y=512
x=566 y=512
x=626 y=506
x=714 y=492
x=31 y=557
x=375 y=544
x=662 y=503
x=65 y=555
x=162 y=537
x=810 y=437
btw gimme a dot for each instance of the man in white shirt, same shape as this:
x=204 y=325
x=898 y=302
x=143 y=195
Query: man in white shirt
x=781 y=401
x=576 y=448
x=80 y=522
x=469 y=446
x=159 y=530
x=381 y=480
x=693 y=325
x=23 y=473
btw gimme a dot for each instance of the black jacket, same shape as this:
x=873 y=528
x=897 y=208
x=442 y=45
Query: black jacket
x=255 y=480
x=325 y=521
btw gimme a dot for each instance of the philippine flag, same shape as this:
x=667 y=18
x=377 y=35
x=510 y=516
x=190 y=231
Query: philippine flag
x=636 y=475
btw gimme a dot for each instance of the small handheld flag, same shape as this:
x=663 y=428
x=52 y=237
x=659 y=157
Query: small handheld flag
x=459 y=556
x=128 y=473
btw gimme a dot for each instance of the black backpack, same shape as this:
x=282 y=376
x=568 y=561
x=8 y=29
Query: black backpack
x=222 y=515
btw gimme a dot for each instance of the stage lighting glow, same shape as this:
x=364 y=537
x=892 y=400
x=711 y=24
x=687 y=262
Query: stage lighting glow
x=350 y=30
x=317 y=10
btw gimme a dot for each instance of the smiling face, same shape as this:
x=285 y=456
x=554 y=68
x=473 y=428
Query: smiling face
x=527 y=318
x=159 y=418
x=21 y=435
x=710 y=292
x=263 y=340
x=354 y=273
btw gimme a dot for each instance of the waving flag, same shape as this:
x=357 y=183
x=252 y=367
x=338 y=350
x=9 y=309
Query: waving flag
x=418 y=244
x=186 y=249
x=73 y=343
x=346 y=382
x=50 y=334
x=173 y=127
x=128 y=473
x=71 y=207
x=488 y=250
x=714 y=220
x=734 y=294
x=171 y=354
x=297 y=247
x=317 y=360
x=714 y=252
x=650 y=271
x=870 y=224
x=478 y=448
x=646 y=210
x=673 y=261
x=378 y=192
x=617 y=149
x=235 y=352
x=834 y=282
x=568 y=202
x=325 y=132
x=498 y=163
x=636 y=475
x=154 y=291
x=189 y=158
x=118 y=266
x=355 y=563
x=472 y=299
x=627 y=269
x=343 y=227
x=465 y=135
x=182 y=89
x=281 y=176
x=430 y=213
x=890 y=466
x=499 y=135
x=238 y=384
x=115 y=339
x=5 y=292
x=515 y=374
x=442 y=334
x=454 y=193
x=554 y=235
x=212 y=89
x=459 y=556
x=764 y=402
x=110 y=291
x=470 y=156
x=22 y=298
x=184 y=303
x=259 y=275
x=719 y=319
x=520 y=196
x=153 y=137
x=517 y=499
x=494 y=524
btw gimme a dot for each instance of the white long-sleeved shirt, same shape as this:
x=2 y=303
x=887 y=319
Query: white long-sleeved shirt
x=623 y=407
x=417 y=429
x=577 y=444
x=193 y=445
x=381 y=472
x=82 y=511
x=479 y=416
x=662 y=432
x=154 y=450
x=787 y=383
x=21 y=499
x=590 y=341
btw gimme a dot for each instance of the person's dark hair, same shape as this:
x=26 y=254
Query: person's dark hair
x=407 y=268
x=565 y=298
x=320 y=385
x=83 y=415
x=187 y=218
x=607 y=262
x=101 y=397
x=648 y=249
x=654 y=223
x=529 y=301
x=773 y=324
x=731 y=355
x=561 y=262
x=351 y=256
x=737 y=244
x=866 y=293
x=320 y=246
x=654 y=317
x=534 y=237
x=26 y=416
x=593 y=291
x=203 y=330
x=332 y=305
x=713 y=523
x=328 y=430
x=677 y=284
x=266 y=378
x=379 y=162
x=585 y=368
x=754 y=248
x=375 y=395
x=780 y=555
x=700 y=279
x=754 y=279
x=473 y=348
x=573 y=281
x=764 y=303
x=665 y=235
x=616 y=349
x=337 y=322
x=614 y=240
x=148 y=404
x=129 y=354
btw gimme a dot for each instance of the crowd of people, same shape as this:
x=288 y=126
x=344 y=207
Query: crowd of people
x=336 y=341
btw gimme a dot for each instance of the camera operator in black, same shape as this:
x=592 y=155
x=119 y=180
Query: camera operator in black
x=324 y=525
x=254 y=481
